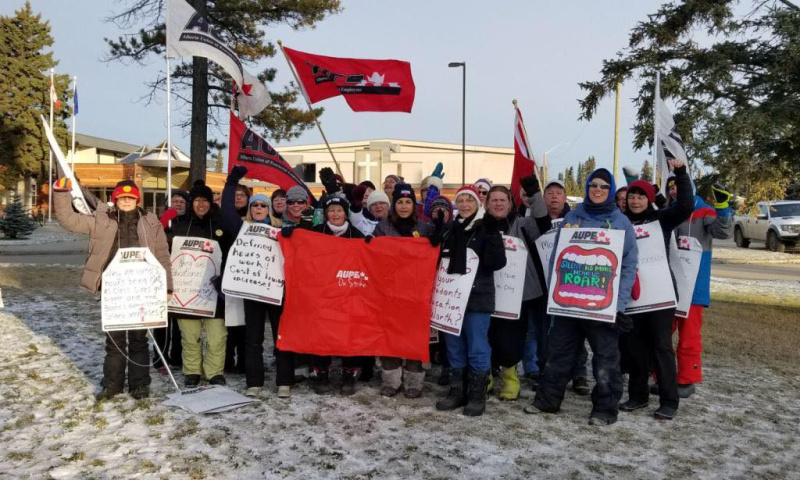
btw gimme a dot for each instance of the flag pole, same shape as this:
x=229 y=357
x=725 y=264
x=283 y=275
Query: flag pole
x=656 y=146
x=527 y=142
x=50 y=175
x=308 y=102
x=616 y=129
x=74 y=119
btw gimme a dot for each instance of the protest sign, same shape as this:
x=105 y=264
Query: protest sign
x=451 y=294
x=134 y=292
x=509 y=281
x=195 y=261
x=685 y=256
x=585 y=277
x=209 y=399
x=655 y=281
x=254 y=269
x=545 y=245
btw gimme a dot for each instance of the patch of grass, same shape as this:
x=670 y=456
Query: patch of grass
x=97 y=463
x=149 y=467
x=771 y=298
x=58 y=405
x=19 y=456
x=75 y=457
x=189 y=427
x=24 y=420
x=32 y=351
x=154 y=420
x=38 y=378
x=100 y=422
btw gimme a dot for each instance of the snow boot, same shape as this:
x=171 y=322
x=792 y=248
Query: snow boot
x=665 y=413
x=191 y=381
x=510 y=390
x=457 y=395
x=444 y=377
x=476 y=396
x=284 y=391
x=107 y=394
x=686 y=390
x=349 y=381
x=217 y=380
x=580 y=385
x=252 y=392
x=412 y=383
x=391 y=380
x=322 y=382
x=602 y=421
x=140 y=392
x=632 y=405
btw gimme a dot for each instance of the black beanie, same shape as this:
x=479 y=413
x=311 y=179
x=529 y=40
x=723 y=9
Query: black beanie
x=602 y=174
x=331 y=200
x=368 y=184
x=403 y=190
x=183 y=194
x=201 y=190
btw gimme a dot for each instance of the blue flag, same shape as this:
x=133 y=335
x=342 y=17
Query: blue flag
x=75 y=100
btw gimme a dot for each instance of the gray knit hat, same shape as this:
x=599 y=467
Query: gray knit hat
x=296 y=193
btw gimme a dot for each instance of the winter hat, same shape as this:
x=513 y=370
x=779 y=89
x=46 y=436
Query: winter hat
x=644 y=187
x=442 y=202
x=278 y=193
x=377 y=196
x=181 y=193
x=125 y=188
x=631 y=173
x=670 y=180
x=610 y=202
x=484 y=183
x=368 y=184
x=201 y=190
x=554 y=181
x=259 y=197
x=470 y=190
x=431 y=181
x=403 y=190
x=395 y=177
x=296 y=193
x=332 y=200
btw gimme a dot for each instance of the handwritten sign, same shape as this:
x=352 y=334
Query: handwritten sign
x=685 y=256
x=451 y=294
x=585 y=276
x=195 y=260
x=254 y=269
x=655 y=281
x=509 y=281
x=134 y=292
x=545 y=245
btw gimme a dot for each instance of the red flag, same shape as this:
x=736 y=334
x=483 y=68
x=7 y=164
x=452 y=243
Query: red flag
x=53 y=97
x=524 y=164
x=366 y=85
x=248 y=149
x=345 y=297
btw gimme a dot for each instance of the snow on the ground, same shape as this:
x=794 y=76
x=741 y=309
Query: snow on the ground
x=753 y=255
x=741 y=423
x=775 y=292
x=45 y=235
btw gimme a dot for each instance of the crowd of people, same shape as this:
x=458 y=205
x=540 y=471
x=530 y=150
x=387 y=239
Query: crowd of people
x=552 y=350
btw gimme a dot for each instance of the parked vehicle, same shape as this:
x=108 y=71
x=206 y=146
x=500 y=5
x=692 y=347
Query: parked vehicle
x=776 y=223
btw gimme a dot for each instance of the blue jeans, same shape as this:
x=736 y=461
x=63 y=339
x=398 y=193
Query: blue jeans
x=535 y=355
x=471 y=348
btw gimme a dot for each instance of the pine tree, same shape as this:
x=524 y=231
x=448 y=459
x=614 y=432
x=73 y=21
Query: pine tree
x=570 y=183
x=580 y=177
x=589 y=167
x=218 y=166
x=18 y=222
x=647 y=172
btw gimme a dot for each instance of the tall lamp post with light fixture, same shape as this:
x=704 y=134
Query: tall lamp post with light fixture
x=463 y=119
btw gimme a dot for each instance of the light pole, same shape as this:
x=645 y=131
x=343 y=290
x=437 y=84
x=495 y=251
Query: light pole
x=544 y=160
x=463 y=119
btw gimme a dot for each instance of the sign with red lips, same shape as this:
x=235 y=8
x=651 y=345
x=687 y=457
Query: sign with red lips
x=585 y=277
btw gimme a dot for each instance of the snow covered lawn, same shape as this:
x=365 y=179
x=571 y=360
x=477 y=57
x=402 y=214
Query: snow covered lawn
x=742 y=423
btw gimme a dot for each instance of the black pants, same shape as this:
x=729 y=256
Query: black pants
x=169 y=341
x=324 y=363
x=235 y=358
x=507 y=339
x=566 y=336
x=132 y=343
x=255 y=316
x=651 y=339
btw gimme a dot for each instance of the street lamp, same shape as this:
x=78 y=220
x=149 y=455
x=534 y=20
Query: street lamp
x=544 y=159
x=463 y=120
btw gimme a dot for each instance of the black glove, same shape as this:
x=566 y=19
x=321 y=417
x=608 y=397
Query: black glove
x=721 y=195
x=435 y=239
x=679 y=170
x=216 y=280
x=307 y=215
x=237 y=173
x=326 y=176
x=287 y=231
x=530 y=185
x=661 y=200
x=368 y=238
x=623 y=323
x=490 y=223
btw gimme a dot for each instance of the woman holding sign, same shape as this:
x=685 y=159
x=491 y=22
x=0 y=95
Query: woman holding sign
x=469 y=353
x=651 y=337
x=598 y=211
x=122 y=226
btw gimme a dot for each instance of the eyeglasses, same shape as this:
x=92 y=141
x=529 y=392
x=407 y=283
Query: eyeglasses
x=295 y=202
x=600 y=186
x=258 y=205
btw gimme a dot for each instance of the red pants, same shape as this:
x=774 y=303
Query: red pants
x=690 y=346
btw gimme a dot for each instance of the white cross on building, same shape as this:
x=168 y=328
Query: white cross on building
x=367 y=163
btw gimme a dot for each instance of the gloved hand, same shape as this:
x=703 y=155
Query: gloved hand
x=530 y=185
x=287 y=231
x=435 y=239
x=328 y=179
x=623 y=323
x=168 y=215
x=722 y=196
x=62 y=185
x=636 y=291
x=631 y=173
x=358 y=195
x=307 y=215
x=490 y=223
x=368 y=238
x=438 y=172
x=237 y=173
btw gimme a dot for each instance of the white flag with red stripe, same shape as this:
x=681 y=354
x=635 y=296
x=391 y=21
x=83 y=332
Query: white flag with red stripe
x=524 y=163
x=53 y=97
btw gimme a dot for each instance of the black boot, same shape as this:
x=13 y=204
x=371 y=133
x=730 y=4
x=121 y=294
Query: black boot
x=322 y=382
x=457 y=396
x=349 y=381
x=476 y=397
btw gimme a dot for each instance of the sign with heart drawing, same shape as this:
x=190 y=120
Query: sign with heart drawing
x=195 y=261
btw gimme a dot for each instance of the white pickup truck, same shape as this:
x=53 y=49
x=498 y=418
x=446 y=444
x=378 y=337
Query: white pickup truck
x=776 y=223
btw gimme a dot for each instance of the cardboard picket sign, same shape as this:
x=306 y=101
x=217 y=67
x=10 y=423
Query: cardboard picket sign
x=451 y=294
x=234 y=311
x=254 y=269
x=195 y=261
x=585 y=276
x=685 y=256
x=134 y=292
x=655 y=281
x=545 y=245
x=509 y=281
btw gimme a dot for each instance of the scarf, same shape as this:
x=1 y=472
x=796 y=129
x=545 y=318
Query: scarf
x=461 y=237
x=338 y=231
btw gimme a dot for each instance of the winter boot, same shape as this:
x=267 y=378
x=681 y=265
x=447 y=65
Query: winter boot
x=686 y=390
x=322 y=382
x=140 y=392
x=444 y=377
x=580 y=385
x=107 y=393
x=510 y=390
x=217 y=380
x=665 y=412
x=632 y=405
x=457 y=395
x=391 y=380
x=476 y=397
x=412 y=383
x=349 y=381
x=191 y=381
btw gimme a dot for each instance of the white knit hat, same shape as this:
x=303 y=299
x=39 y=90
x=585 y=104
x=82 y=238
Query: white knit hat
x=376 y=197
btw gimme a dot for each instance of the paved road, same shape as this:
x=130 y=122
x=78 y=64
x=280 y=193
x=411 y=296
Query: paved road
x=757 y=272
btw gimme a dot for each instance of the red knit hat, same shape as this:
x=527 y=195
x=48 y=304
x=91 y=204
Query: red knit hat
x=125 y=188
x=645 y=187
x=469 y=190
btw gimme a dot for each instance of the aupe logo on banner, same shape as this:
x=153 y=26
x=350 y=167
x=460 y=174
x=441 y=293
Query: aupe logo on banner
x=599 y=238
x=352 y=278
x=198 y=245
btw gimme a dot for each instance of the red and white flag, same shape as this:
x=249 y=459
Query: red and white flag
x=53 y=97
x=524 y=164
x=253 y=97
x=366 y=85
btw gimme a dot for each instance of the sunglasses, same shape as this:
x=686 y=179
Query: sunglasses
x=258 y=205
x=602 y=187
x=295 y=202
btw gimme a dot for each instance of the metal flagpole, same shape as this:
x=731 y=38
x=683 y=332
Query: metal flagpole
x=169 y=136
x=656 y=146
x=50 y=176
x=616 y=129
x=308 y=102
x=74 y=119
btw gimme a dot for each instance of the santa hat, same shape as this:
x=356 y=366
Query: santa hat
x=469 y=190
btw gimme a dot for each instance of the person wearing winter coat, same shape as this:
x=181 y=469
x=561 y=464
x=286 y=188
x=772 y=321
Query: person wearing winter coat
x=403 y=222
x=469 y=353
x=204 y=220
x=365 y=219
x=507 y=337
x=598 y=210
x=124 y=225
x=277 y=207
x=705 y=224
x=651 y=337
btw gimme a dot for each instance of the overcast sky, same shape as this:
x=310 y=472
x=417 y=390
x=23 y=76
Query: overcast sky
x=534 y=51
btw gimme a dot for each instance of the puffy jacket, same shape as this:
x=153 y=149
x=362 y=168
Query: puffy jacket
x=386 y=229
x=102 y=229
x=351 y=231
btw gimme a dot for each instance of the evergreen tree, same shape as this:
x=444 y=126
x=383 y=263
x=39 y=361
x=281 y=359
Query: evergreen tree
x=580 y=178
x=647 y=172
x=561 y=176
x=24 y=75
x=570 y=183
x=589 y=167
x=18 y=222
